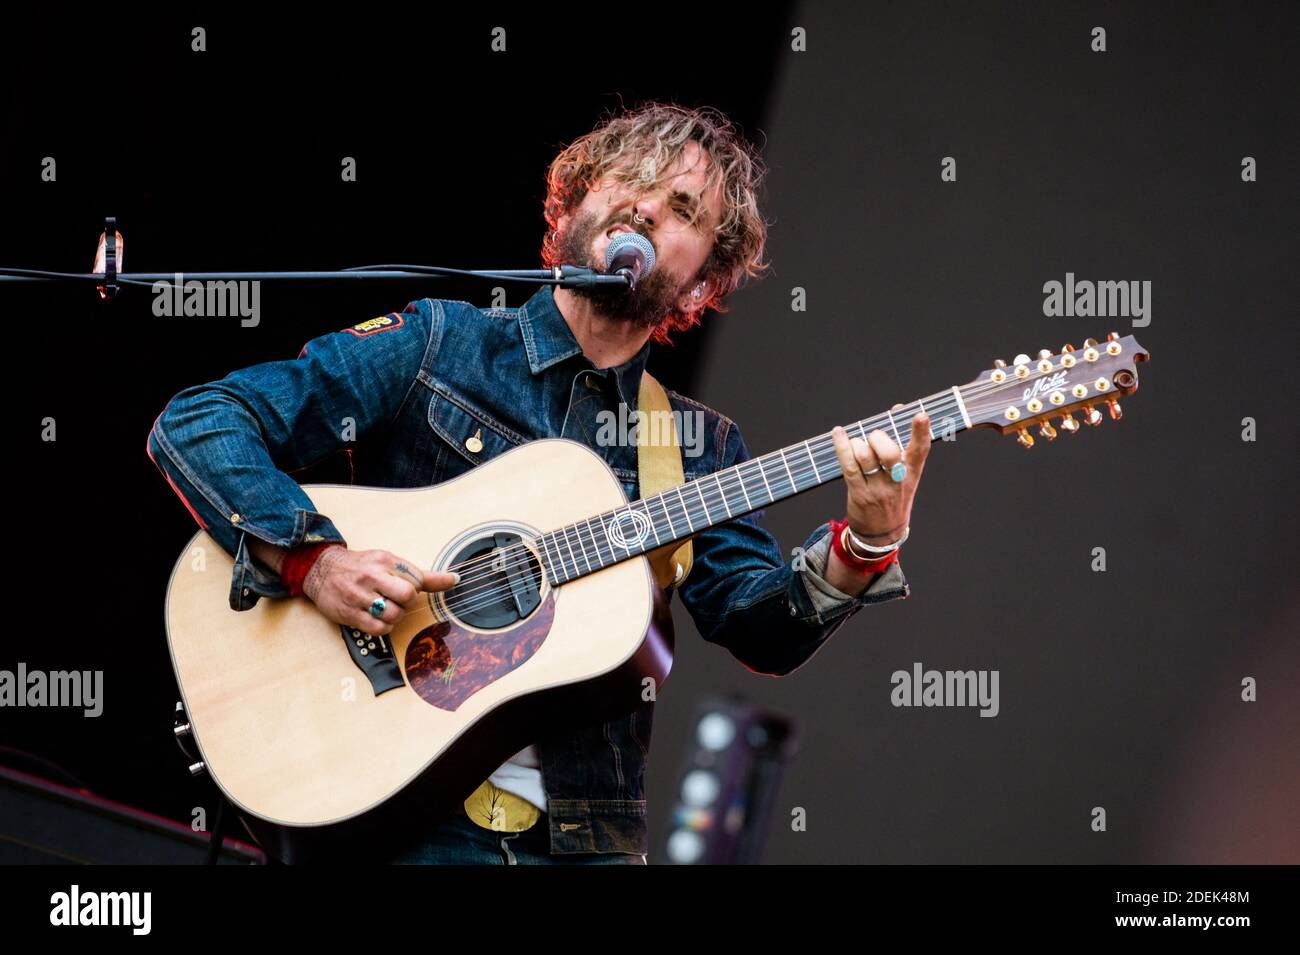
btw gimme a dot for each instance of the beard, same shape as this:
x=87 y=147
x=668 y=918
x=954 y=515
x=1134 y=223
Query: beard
x=647 y=306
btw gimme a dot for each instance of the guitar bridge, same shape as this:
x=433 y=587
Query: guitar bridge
x=373 y=656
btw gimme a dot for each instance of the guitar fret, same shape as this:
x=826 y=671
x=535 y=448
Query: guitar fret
x=599 y=538
x=564 y=564
x=583 y=547
x=961 y=406
x=763 y=475
x=547 y=553
x=603 y=539
x=663 y=503
x=698 y=490
x=604 y=530
x=653 y=529
x=895 y=427
x=685 y=510
x=740 y=477
x=816 y=473
x=723 y=494
x=570 y=548
x=793 y=487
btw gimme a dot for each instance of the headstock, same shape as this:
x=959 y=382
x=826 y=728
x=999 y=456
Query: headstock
x=1022 y=397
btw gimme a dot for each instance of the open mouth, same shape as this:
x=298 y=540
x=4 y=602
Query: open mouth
x=616 y=229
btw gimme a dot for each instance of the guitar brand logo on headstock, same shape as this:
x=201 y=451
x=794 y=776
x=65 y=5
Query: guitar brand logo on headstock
x=1043 y=385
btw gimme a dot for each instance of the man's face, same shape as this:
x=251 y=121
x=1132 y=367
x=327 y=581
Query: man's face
x=680 y=248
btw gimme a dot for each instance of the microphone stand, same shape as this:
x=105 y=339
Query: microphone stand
x=109 y=256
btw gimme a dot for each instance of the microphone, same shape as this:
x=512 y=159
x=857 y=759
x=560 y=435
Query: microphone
x=630 y=255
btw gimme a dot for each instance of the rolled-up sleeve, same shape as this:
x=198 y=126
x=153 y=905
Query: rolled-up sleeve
x=225 y=446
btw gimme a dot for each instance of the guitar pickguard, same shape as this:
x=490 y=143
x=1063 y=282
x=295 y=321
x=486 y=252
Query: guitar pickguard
x=447 y=663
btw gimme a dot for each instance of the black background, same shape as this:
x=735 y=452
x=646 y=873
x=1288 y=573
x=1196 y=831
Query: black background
x=1118 y=690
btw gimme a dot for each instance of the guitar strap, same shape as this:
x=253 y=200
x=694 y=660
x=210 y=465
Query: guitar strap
x=659 y=466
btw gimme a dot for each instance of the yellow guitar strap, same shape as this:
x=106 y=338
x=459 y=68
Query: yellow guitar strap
x=659 y=465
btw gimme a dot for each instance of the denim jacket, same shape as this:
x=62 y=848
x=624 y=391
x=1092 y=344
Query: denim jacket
x=414 y=386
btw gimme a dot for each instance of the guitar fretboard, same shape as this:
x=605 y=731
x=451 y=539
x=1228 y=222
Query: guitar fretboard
x=587 y=546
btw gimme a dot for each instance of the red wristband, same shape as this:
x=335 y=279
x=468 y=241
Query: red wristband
x=866 y=567
x=299 y=562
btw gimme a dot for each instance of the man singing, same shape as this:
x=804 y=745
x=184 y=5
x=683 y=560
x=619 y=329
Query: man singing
x=421 y=396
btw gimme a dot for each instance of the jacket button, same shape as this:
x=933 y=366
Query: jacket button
x=245 y=591
x=592 y=383
x=474 y=442
x=234 y=518
x=793 y=610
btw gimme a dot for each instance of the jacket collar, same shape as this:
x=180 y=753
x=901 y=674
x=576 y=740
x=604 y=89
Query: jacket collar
x=548 y=341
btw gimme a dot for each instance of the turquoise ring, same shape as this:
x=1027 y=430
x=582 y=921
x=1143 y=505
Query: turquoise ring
x=377 y=608
x=898 y=472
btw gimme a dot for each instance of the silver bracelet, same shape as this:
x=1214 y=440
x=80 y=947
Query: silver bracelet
x=855 y=542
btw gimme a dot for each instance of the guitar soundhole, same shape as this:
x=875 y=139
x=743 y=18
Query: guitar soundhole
x=496 y=621
x=501 y=582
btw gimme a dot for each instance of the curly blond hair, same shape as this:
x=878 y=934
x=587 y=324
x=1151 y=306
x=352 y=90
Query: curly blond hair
x=638 y=146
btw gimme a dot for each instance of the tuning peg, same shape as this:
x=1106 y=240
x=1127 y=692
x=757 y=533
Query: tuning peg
x=1090 y=343
x=1068 y=423
x=1116 y=412
x=1020 y=360
x=1067 y=347
x=1025 y=438
x=1045 y=353
x=1092 y=416
x=999 y=363
x=1047 y=431
x=1113 y=337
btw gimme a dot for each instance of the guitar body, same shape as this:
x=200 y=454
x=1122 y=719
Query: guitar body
x=326 y=750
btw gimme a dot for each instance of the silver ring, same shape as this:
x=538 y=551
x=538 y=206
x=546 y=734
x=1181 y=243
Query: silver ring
x=872 y=471
x=636 y=217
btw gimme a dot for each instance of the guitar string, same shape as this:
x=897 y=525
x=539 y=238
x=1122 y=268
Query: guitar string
x=508 y=560
x=464 y=601
x=825 y=450
x=825 y=463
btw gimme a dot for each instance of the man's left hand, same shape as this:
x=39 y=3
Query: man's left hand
x=879 y=508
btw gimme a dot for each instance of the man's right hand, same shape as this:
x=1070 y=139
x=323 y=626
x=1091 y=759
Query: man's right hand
x=343 y=583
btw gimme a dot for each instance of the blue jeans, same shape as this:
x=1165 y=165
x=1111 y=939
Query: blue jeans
x=458 y=841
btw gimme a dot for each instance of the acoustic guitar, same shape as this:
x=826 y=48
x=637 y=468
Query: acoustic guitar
x=325 y=739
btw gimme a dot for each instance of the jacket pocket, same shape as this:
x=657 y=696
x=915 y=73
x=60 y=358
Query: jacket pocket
x=468 y=430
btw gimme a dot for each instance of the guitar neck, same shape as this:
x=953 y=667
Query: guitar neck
x=587 y=546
